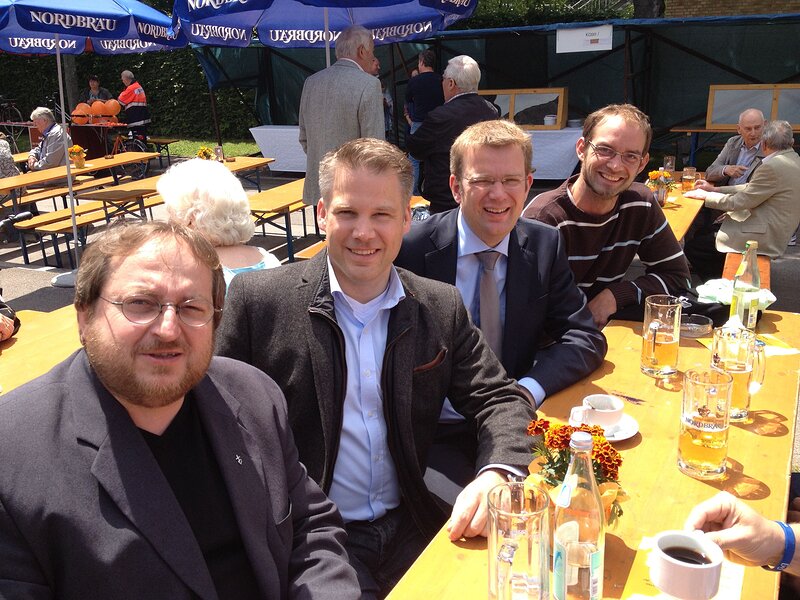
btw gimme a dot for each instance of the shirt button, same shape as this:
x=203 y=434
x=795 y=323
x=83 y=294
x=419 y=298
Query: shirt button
x=367 y=372
x=371 y=414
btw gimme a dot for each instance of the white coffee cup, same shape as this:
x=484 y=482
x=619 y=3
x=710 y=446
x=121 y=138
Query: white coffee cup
x=685 y=565
x=598 y=409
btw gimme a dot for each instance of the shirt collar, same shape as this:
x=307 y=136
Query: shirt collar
x=49 y=129
x=469 y=243
x=389 y=298
x=352 y=61
x=459 y=95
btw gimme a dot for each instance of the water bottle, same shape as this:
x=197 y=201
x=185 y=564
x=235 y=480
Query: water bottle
x=579 y=528
x=746 y=287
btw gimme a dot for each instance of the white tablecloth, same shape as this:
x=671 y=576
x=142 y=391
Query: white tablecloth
x=553 y=150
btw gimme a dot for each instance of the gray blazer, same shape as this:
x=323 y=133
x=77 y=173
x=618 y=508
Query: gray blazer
x=85 y=511
x=729 y=156
x=283 y=322
x=772 y=198
x=338 y=104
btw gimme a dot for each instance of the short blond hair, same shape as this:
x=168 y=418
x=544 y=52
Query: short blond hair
x=372 y=154
x=205 y=195
x=495 y=134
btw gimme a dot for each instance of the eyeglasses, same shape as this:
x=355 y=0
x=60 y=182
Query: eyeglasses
x=606 y=153
x=510 y=182
x=143 y=310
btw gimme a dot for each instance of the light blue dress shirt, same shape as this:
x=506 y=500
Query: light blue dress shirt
x=365 y=484
x=746 y=157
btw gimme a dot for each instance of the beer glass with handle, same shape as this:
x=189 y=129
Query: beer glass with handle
x=705 y=418
x=738 y=352
x=661 y=332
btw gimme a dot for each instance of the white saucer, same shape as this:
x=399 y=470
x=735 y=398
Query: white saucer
x=624 y=430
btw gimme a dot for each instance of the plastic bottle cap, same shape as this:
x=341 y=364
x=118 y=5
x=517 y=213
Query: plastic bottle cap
x=580 y=440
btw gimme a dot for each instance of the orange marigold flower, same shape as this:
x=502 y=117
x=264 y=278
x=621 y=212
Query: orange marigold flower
x=538 y=426
x=653 y=175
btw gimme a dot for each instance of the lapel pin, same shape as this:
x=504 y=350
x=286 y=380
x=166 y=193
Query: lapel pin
x=238 y=459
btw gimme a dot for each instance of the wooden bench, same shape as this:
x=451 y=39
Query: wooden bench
x=311 y=251
x=121 y=199
x=280 y=201
x=161 y=144
x=60 y=192
x=734 y=259
x=59 y=222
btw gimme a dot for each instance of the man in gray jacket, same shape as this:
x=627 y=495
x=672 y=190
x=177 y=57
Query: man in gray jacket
x=742 y=153
x=50 y=151
x=340 y=103
x=366 y=354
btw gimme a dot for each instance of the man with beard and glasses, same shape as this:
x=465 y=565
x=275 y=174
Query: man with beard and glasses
x=606 y=219
x=140 y=467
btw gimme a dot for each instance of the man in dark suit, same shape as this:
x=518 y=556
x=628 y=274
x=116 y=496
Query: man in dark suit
x=547 y=338
x=140 y=467
x=366 y=354
x=431 y=142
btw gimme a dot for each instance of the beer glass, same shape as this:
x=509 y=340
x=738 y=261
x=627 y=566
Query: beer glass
x=737 y=352
x=669 y=163
x=519 y=542
x=661 y=332
x=705 y=412
x=688 y=178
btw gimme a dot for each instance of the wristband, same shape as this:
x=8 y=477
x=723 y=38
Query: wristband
x=788 y=549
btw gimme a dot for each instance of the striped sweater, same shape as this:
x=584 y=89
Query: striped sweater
x=602 y=247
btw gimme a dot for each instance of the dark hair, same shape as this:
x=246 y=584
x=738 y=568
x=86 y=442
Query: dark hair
x=628 y=112
x=123 y=239
x=427 y=57
x=94 y=78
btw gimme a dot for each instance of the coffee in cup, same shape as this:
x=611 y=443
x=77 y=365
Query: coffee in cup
x=685 y=565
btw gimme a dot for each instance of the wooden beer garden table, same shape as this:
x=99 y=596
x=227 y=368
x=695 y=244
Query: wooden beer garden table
x=759 y=455
x=681 y=212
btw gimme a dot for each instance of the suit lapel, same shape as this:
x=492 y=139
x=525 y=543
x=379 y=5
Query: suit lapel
x=127 y=471
x=521 y=270
x=240 y=463
x=440 y=263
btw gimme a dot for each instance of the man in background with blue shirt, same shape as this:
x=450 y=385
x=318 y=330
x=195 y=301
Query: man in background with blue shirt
x=366 y=354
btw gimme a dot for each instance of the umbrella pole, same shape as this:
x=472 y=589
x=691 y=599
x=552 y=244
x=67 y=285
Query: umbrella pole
x=327 y=37
x=66 y=279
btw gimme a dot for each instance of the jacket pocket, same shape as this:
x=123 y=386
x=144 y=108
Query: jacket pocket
x=438 y=359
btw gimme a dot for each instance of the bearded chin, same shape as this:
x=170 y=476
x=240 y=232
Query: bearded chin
x=118 y=374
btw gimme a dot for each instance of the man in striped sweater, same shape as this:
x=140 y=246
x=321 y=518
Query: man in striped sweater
x=606 y=219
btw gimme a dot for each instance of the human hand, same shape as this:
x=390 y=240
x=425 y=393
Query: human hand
x=697 y=193
x=470 y=512
x=602 y=307
x=744 y=535
x=734 y=171
x=31 y=162
x=702 y=184
x=6 y=327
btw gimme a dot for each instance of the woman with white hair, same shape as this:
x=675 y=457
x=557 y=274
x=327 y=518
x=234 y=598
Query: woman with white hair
x=206 y=196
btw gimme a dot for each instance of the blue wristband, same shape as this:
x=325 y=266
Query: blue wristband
x=788 y=548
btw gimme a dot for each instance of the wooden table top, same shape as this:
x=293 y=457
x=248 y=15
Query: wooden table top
x=34 y=178
x=660 y=495
x=44 y=340
x=242 y=163
x=277 y=199
x=680 y=212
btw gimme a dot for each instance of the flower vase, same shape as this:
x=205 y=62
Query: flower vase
x=79 y=162
x=661 y=195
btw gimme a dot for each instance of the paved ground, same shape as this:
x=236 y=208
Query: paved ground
x=28 y=286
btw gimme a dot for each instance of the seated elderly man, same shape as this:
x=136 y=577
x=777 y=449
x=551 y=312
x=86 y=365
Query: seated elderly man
x=766 y=209
x=742 y=153
x=51 y=151
x=141 y=467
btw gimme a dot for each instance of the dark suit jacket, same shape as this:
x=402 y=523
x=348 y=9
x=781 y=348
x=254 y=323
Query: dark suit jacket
x=432 y=141
x=283 y=322
x=543 y=304
x=85 y=511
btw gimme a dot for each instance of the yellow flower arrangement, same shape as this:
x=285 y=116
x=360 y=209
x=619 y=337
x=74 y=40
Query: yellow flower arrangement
x=205 y=153
x=661 y=179
x=552 y=456
x=76 y=151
